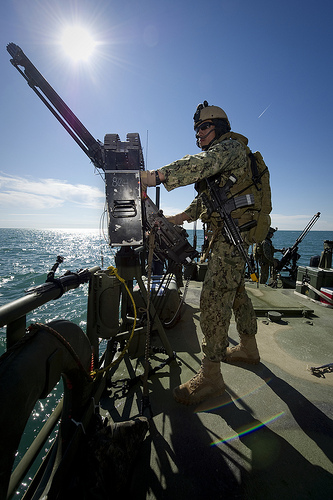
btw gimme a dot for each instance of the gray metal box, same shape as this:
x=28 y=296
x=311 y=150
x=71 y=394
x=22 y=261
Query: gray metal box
x=124 y=207
x=316 y=277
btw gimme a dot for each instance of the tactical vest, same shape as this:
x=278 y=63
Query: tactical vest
x=259 y=186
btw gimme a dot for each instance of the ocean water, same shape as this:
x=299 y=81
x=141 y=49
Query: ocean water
x=312 y=244
x=27 y=255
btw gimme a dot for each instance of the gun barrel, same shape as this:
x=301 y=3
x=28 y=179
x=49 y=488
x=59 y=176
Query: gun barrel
x=42 y=294
x=307 y=228
x=56 y=105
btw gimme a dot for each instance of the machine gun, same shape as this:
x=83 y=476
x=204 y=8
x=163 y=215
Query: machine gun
x=128 y=217
x=291 y=254
x=223 y=205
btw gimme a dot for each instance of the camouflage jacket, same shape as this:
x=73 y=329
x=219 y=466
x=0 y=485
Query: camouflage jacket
x=267 y=251
x=225 y=156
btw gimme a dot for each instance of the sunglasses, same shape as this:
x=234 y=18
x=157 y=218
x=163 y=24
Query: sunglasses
x=204 y=126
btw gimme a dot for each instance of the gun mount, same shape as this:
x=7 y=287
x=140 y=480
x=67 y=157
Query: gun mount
x=288 y=261
x=112 y=313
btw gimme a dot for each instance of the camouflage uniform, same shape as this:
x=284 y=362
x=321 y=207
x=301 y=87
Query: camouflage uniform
x=223 y=288
x=265 y=256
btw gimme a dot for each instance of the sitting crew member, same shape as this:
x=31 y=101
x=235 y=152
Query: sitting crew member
x=264 y=255
x=223 y=153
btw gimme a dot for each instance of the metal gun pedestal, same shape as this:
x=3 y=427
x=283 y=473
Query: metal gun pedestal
x=129 y=268
x=110 y=309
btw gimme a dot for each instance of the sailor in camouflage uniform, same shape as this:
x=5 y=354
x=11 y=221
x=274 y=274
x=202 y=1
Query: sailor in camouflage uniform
x=264 y=255
x=223 y=289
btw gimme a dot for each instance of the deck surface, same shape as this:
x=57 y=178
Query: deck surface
x=270 y=436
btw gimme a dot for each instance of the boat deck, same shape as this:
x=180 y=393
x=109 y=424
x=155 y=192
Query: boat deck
x=270 y=436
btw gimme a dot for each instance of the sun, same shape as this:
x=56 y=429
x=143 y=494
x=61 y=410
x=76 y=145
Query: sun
x=78 y=43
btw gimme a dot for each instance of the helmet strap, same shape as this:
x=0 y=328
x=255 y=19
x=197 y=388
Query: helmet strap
x=204 y=137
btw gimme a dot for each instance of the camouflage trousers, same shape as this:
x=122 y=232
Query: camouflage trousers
x=264 y=272
x=223 y=292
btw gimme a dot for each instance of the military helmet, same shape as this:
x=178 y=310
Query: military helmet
x=205 y=112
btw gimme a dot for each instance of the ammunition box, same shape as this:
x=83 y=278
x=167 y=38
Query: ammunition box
x=190 y=271
x=165 y=298
x=202 y=269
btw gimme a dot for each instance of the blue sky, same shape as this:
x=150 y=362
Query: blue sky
x=267 y=64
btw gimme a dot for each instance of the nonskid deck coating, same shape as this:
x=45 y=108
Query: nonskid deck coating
x=269 y=436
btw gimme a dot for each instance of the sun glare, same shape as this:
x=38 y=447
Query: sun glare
x=78 y=43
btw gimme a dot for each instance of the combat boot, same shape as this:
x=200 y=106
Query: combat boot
x=246 y=350
x=207 y=383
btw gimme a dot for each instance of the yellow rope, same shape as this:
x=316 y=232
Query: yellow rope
x=113 y=271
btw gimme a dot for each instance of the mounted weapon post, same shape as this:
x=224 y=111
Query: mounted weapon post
x=130 y=219
x=110 y=313
x=291 y=254
x=121 y=163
